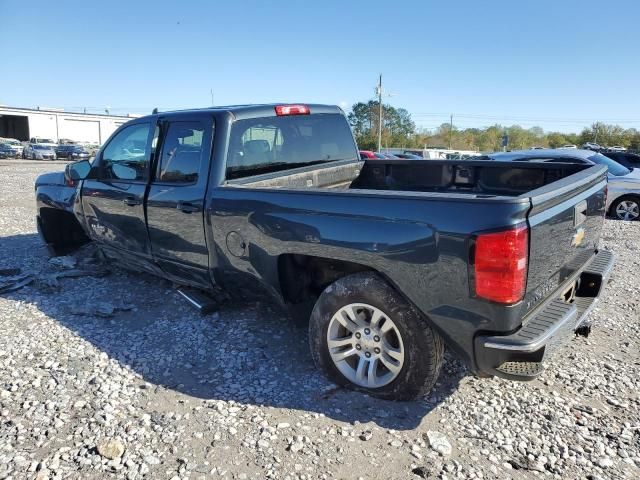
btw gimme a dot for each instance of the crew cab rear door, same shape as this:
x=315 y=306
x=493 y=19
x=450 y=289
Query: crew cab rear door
x=566 y=220
x=175 y=202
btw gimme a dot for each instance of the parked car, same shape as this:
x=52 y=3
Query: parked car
x=409 y=156
x=623 y=198
x=39 y=151
x=6 y=151
x=15 y=145
x=617 y=148
x=628 y=159
x=72 y=152
x=387 y=260
x=568 y=147
x=369 y=155
x=79 y=153
x=387 y=155
x=591 y=146
x=43 y=141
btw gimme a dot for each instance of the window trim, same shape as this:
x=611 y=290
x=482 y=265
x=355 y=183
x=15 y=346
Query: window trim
x=99 y=164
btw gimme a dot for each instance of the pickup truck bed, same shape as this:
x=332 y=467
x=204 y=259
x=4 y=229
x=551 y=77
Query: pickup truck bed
x=423 y=247
x=498 y=259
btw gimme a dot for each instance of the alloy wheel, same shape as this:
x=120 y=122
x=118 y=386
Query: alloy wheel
x=628 y=210
x=365 y=345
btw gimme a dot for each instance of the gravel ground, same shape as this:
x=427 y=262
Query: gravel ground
x=153 y=390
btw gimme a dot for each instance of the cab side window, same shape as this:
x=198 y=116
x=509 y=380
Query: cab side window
x=182 y=152
x=126 y=157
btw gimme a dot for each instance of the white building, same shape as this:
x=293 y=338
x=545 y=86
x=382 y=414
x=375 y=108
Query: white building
x=26 y=123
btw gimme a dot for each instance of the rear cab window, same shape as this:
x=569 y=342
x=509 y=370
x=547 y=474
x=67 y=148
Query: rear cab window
x=270 y=144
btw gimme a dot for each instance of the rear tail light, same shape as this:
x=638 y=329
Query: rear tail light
x=282 y=110
x=500 y=265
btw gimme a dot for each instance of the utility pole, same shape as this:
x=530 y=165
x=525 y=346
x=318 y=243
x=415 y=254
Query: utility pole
x=450 y=130
x=595 y=128
x=380 y=113
x=212 y=104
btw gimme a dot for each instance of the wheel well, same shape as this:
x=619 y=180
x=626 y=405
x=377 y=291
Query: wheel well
x=304 y=277
x=61 y=229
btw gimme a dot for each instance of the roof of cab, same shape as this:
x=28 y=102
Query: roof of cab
x=253 y=111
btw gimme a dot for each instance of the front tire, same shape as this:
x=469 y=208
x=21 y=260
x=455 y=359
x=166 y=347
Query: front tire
x=365 y=336
x=626 y=208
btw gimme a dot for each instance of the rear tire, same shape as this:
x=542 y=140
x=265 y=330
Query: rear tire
x=406 y=353
x=626 y=208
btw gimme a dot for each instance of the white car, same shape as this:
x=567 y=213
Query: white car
x=591 y=146
x=43 y=141
x=617 y=148
x=568 y=147
x=38 y=151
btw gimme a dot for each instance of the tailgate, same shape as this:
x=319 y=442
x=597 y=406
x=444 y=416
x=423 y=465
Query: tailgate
x=565 y=221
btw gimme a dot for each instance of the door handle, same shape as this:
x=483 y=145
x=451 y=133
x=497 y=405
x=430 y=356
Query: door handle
x=131 y=201
x=187 y=207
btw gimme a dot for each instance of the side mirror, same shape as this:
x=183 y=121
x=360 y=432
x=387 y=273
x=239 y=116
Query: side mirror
x=76 y=171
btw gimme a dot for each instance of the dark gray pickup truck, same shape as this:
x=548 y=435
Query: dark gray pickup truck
x=390 y=259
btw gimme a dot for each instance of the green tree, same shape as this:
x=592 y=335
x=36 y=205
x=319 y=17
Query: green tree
x=398 y=129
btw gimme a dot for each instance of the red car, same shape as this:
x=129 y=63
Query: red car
x=369 y=155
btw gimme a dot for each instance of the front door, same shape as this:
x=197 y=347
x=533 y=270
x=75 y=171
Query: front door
x=175 y=203
x=113 y=196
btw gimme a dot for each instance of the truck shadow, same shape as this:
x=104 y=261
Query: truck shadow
x=249 y=353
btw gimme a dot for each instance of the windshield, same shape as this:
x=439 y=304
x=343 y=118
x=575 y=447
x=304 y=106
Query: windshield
x=614 y=167
x=270 y=144
x=41 y=147
x=44 y=140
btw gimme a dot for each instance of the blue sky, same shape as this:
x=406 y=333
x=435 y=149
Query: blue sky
x=557 y=64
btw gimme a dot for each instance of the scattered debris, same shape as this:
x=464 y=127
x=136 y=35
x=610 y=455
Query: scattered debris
x=101 y=309
x=66 y=261
x=15 y=283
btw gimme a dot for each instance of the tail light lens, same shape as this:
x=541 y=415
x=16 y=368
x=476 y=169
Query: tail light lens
x=501 y=265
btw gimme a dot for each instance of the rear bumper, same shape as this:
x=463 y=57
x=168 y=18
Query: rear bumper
x=520 y=355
